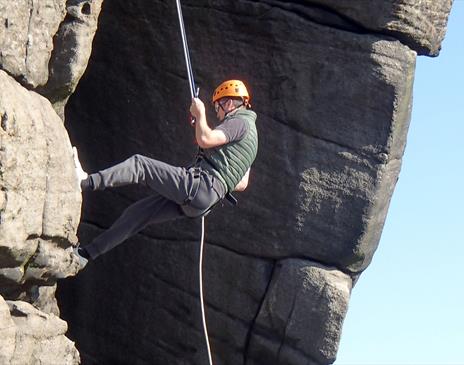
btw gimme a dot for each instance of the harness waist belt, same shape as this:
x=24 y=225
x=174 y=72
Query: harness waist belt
x=230 y=198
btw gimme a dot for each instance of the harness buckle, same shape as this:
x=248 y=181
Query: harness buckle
x=232 y=199
x=195 y=185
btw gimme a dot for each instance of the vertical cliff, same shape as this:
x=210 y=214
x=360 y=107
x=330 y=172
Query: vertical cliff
x=42 y=44
x=332 y=85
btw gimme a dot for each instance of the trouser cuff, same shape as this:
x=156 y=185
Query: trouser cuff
x=92 y=182
x=92 y=251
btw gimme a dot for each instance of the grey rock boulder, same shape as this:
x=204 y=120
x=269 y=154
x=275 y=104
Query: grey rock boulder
x=301 y=317
x=40 y=338
x=27 y=29
x=324 y=176
x=7 y=333
x=45 y=45
x=40 y=198
x=43 y=298
x=421 y=25
x=234 y=286
x=71 y=53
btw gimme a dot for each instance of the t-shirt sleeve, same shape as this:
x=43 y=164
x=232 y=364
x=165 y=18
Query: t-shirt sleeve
x=234 y=129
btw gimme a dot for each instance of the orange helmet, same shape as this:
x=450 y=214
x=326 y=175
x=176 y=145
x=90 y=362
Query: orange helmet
x=233 y=88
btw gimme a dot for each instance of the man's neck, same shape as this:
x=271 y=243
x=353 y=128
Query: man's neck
x=233 y=111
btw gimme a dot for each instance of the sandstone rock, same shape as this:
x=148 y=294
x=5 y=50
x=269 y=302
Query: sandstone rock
x=46 y=44
x=27 y=29
x=301 y=317
x=7 y=333
x=333 y=156
x=73 y=45
x=51 y=262
x=40 y=196
x=421 y=25
x=40 y=337
x=333 y=98
x=43 y=298
x=171 y=322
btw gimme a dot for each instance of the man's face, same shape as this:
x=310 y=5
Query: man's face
x=219 y=109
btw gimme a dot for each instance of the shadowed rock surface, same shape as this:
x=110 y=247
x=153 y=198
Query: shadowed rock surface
x=421 y=25
x=332 y=85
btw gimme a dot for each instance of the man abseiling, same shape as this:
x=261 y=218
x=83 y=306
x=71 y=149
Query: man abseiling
x=223 y=166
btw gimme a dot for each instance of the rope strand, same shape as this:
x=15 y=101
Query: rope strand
x=203 y=316
x=194 y=93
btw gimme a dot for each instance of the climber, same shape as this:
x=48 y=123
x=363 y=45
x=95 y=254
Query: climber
x=222 y=166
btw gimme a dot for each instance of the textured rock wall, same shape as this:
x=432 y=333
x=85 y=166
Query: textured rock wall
x=26 y=37
x=40 y=201
x=30 y=336
x=421 y=25
x=332 y=85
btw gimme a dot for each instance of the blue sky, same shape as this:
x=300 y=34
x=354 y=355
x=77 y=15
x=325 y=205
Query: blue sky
x=408 y=306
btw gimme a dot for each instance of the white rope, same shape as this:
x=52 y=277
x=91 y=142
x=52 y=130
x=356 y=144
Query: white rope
x=194 y=93
x=203 y=316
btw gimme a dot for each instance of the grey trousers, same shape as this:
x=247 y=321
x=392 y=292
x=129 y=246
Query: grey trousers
x=171 y=187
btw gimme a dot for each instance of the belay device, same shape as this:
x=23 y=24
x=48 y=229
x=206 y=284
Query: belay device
x=194 y=93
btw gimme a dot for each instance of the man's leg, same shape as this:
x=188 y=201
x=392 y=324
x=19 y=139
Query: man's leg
x=170 y=181
x=153 y=209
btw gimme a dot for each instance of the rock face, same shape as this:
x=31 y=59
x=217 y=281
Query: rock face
x=40 y=208
x=280 y=334
x=331 y=82
x=73 y=45
x=332 y=87
x=46 y=44
x=7 y=333
x=26 y=37
x=34 y=337
x=40 y=211
x=40 y=201
x=421 y=25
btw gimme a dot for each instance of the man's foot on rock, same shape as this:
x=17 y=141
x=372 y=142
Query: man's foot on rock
x=82 y=255
x=81 y=174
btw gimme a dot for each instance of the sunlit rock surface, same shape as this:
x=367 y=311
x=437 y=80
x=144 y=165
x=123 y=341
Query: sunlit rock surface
x=40 y=200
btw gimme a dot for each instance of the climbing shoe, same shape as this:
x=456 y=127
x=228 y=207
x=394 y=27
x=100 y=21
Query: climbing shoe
x=82 y=255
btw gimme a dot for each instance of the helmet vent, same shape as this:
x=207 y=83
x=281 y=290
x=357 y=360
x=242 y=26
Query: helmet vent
x=231 y=88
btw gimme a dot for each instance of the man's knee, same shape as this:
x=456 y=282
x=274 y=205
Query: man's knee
x=137 y=157
x=139 y=160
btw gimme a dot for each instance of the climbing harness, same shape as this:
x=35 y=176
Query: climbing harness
x=196 y=177
x=194 y=93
